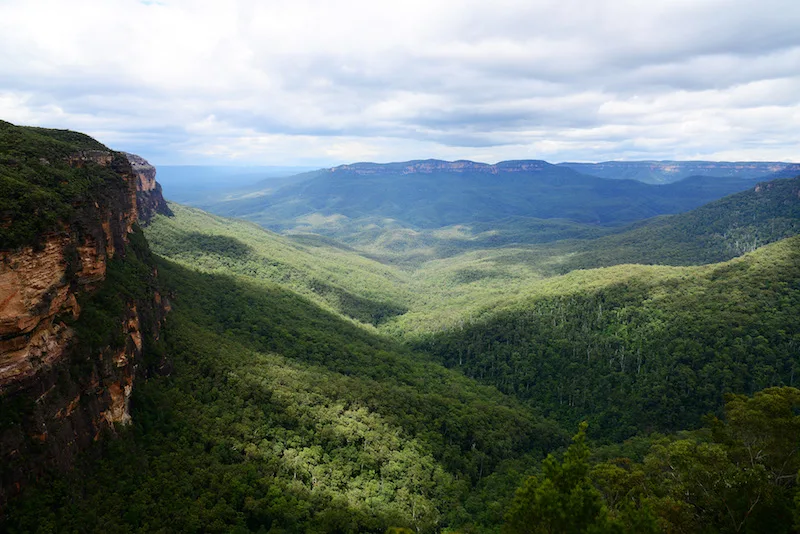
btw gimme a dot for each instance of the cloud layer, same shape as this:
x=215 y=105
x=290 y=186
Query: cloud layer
x=320 y=82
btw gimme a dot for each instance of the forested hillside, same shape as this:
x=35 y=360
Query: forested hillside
x=331 y=275
x=631 y=348
x=430 y=379
x=640 y=349
x=715 y=232
x=281 y=416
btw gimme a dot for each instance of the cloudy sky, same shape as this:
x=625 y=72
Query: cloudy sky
x=319 y=82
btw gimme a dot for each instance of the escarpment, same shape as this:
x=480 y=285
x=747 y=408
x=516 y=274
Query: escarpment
x=149 y=198
x=80 y=312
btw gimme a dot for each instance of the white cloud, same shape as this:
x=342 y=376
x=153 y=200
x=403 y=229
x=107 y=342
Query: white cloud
x=319 y=82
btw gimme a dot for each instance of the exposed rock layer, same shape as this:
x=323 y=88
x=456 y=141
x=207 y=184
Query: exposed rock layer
x=59 y=392
x=148 y=192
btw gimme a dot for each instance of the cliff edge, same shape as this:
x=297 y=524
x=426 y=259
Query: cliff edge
x=149 y=199
x=80 y=312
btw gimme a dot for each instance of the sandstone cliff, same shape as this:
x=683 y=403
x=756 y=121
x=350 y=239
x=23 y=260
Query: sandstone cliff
x=148 y=192
x=79 y=306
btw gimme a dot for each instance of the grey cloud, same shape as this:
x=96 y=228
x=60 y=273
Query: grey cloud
x=592 y=79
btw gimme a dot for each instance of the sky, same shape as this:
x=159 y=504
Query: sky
x=307 y=82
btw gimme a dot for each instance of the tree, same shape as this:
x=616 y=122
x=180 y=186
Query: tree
x=564 y=500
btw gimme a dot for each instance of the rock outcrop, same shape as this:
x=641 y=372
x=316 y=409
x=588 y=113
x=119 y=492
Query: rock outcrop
x=149 y=198
x=73 y=339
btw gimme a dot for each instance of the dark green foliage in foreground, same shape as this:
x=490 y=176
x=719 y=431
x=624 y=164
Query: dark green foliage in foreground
x=563 y=500
x=735 y=475
x=647 y=354
x=38 y=188
x=282 y=417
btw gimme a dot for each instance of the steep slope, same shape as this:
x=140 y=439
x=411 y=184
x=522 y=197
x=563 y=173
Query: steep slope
x=78 y=305
x=634 y=348
x=715 y=232
x=664 y=172
x=331 y=275
x=149 y=199
x=432 y=194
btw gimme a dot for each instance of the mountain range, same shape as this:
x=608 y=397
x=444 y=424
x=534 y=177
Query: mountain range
x=662 y=172
x=432 y=193
x=401 y=347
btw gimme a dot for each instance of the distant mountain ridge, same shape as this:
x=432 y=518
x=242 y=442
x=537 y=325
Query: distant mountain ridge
x=651 y=172
x=435 y=193
x=664 y=172
x=430 y=166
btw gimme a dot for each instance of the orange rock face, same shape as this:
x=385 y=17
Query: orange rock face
x=36 y=288
x=33 y=290
x=148 y=191
x=118 y=408
x=73 y=392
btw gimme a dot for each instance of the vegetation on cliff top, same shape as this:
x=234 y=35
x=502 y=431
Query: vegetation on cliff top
x=38 y=188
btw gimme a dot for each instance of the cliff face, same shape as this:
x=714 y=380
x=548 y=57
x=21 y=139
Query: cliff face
x=148 y=192
x=73 y=339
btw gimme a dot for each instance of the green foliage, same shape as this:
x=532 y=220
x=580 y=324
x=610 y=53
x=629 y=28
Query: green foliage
x=732 y=476
x=797 y=504
x=38 y=188
x=738 y=478
x=654 y=352
x=280 y=415
x=334 y=277
x=715 y=232
x=563 y=500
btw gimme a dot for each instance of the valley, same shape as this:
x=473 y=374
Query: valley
x=412 y=346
